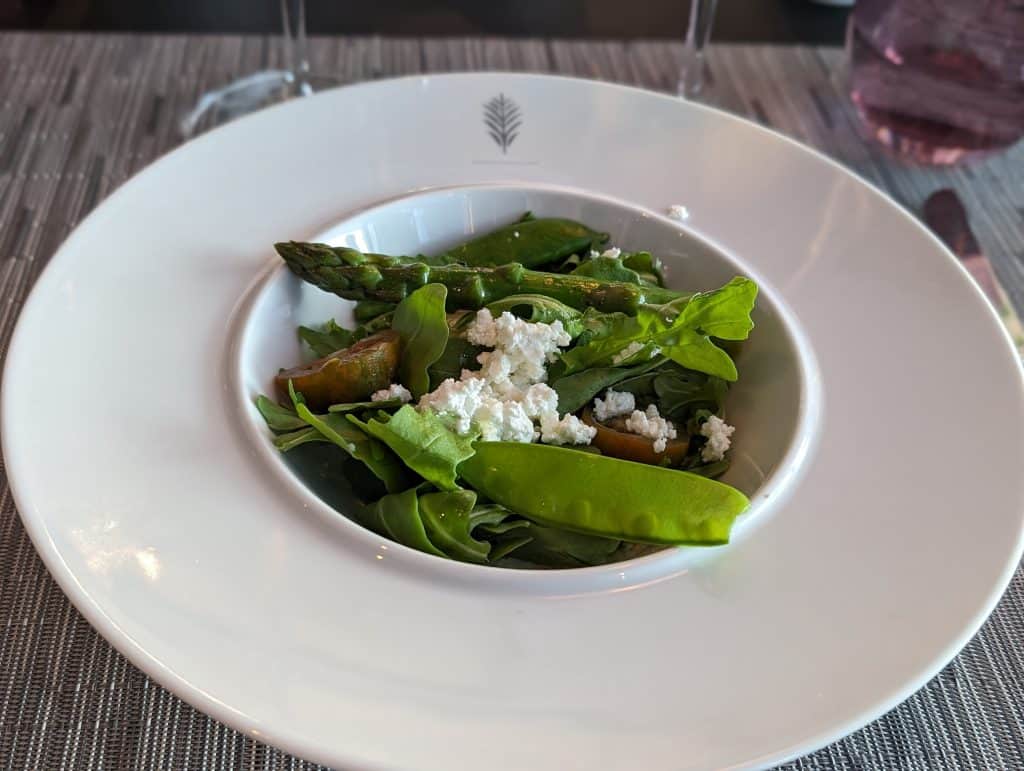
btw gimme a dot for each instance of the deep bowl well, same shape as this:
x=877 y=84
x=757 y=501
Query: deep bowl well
x=773 y=405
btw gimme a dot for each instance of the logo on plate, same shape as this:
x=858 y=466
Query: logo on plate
x=502 y=117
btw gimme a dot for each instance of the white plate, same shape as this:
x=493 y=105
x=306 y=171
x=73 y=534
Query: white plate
x=156 y=507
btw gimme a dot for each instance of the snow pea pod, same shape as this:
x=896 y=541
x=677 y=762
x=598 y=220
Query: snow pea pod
x=604 y=496
x=530 y=242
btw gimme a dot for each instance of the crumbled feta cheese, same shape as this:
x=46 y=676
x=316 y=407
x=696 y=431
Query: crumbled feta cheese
x=521 y=348
x=628 y=352
x=457 y=401
x=504 y=421
x=613 y=404
x=717 y=432
x=504 y=398
x=678 y=212
x=653 y=426
x=567 y=430
x=393 y=391
x=538 y=400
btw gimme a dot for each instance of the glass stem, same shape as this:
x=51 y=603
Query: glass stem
x=296 y=48
x=691 y=76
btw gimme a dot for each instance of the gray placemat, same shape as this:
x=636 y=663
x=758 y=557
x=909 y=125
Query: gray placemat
x=80 y=114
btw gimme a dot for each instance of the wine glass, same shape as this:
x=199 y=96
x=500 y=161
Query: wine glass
x=260 y=89
x=938 y=82
x=698 y=31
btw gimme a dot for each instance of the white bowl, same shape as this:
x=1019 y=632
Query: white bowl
x=774 y=405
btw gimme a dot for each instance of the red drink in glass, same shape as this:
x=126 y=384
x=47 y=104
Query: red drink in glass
x=937 y=81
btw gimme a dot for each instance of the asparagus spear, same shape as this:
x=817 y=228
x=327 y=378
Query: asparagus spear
x=354 y=275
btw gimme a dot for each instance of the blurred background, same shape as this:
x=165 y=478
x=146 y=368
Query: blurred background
x=761 y=21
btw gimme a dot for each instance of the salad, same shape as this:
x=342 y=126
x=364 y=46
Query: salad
x=529 y=398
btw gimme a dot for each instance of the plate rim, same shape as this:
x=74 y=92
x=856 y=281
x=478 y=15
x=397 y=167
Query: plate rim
x=286 y=739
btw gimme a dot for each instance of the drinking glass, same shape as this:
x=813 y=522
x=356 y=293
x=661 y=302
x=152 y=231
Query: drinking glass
x=698 y=31
x=266 y=87
x=938 y=81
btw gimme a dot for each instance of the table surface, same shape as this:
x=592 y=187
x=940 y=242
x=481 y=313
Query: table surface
x=82 y=113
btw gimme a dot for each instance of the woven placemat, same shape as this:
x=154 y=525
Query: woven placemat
x=80 y=114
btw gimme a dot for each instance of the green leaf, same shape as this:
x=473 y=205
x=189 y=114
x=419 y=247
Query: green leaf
x=682 y=330
x=504 y=530
x=607 y=269
x=459 y=354
x=326 y=339
x=367 y=310
x=399 y=517
x=377 y=457
x=448 y=522
x=711 y=470
x=421 y=322
x=385 y=404
x=597 y=325
x=617 y=334
x=278 y=418
x=681 y=391
x=696 y=351
x=423 y=442
x=576 y=390
x=293 y=439
x=505 y=544
x=555 y=547
x=296 y=397
x=647 y=266
x=537 y=308
x=723 y=313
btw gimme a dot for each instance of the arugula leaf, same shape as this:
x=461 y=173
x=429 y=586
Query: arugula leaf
x=509 y=541
x=421 y=322
x=711 y=470
x=324 y=467
x=459 y=354
x=647 y=266
x=544 y=310
x=296 y=396
x=555 y=547
x=608 y=336
x=578 y=389
x=377 y=457
x=632 y=267
x=723 y=313
x=292 y=439
x=423 y=442
x=695 y=351
x=385 y=404
x=682 y=330
x=448 y=520
x=398 y=516
x=607 y=268
x=327 y=339
x=278 y=418
x=681 y=391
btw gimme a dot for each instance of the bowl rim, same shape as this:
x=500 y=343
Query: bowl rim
x=770 y=495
